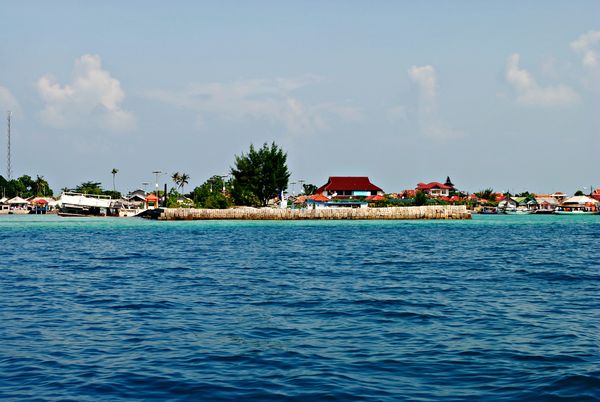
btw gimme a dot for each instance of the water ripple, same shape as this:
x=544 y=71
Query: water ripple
x=497 y=308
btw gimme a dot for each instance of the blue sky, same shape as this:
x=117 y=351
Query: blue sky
x=493 y=94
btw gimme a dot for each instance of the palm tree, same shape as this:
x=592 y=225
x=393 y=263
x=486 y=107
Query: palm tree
x=114 y=173
x=184 y=179
x=40 y=185
x=176 y=177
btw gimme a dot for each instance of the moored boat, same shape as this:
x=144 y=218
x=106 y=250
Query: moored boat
x=578 y=205
x=84 y=205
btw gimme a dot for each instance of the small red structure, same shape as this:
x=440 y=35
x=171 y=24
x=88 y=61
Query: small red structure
x=151 y=201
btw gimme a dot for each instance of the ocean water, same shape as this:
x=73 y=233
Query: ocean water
x=496 y=308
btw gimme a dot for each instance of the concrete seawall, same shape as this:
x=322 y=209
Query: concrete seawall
x=389 y=213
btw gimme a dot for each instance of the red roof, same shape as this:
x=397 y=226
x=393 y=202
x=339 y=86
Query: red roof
x=375 y=198
x=151 y=197
x=433 y=184
x=319 y=198
x=339 y=183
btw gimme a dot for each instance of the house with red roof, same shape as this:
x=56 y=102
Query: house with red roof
x=434 y=189
x=349 y=187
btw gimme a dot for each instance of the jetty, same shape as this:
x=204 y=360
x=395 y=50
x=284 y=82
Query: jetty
x=272 y=214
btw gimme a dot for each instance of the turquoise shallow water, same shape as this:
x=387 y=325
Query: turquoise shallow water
x=496 y=308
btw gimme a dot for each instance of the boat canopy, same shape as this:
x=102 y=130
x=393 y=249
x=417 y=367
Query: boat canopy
x=17 y=201
x=580 y=200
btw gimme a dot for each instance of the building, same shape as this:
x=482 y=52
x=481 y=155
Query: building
x=558 y=196
x=434 y=189
x=349 y=187
x=137 y=196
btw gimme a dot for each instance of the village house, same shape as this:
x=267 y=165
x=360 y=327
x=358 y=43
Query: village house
x=340 y=187
x=436 y=189
x=138 y=196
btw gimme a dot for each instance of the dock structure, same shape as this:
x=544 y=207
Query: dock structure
x=272 y=214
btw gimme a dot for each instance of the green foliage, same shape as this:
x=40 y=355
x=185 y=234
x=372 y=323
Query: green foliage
x=115 y=195
x=259 y=175
x=217 y=200
x=181 y=179
x=420 y=198
x=25 y=187
x=579 y=192
x=114 y=172
x=309 y=189
x=95 y=188
x=525 y=194
x=210 y=194
x=487 y=194
x=89 y=187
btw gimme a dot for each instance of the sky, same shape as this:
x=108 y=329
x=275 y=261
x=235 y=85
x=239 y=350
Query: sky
x=495 y=94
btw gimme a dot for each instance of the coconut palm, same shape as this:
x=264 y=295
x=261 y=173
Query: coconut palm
x=114 y=173
x=176 y=177
x=40 y=185
x=184 y=179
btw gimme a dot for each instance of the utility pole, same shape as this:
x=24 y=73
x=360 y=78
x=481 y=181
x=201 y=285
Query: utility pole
x=156 y=172
x=8 y=166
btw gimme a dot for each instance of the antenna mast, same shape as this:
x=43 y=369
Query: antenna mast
x=8 y=166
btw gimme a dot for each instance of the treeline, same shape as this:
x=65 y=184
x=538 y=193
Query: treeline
x=25 y=187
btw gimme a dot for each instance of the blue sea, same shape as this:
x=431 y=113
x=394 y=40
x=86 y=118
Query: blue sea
x=499 y=308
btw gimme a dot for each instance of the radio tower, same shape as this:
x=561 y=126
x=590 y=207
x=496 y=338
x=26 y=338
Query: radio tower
x=8 y=167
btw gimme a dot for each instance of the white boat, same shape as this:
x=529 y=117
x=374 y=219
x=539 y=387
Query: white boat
x=578 y=205
x=77 y=204
x=518 y=211
x=576 y=212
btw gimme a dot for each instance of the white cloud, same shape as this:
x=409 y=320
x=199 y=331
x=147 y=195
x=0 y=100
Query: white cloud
x=584 y=45
x=530 y=93
x=8 y=101
x=269 y=100
x=429 y=121
x=93 y=98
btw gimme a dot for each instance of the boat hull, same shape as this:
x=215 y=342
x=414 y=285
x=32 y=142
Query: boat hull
x=576 y=213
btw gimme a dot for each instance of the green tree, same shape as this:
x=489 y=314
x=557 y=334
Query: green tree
x=210 y=195
x=176 y=177
x=114 y=173
x=89 y=187
x=184 y=179
x=420 y=198
x=579 y=192
x=24 y=187
x=259 y=175
x=40 y=187
x=487 y=194
x=309 y=189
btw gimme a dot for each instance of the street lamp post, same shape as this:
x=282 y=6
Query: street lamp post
x=301 y=181
x=156 y=173
x=223 y=177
